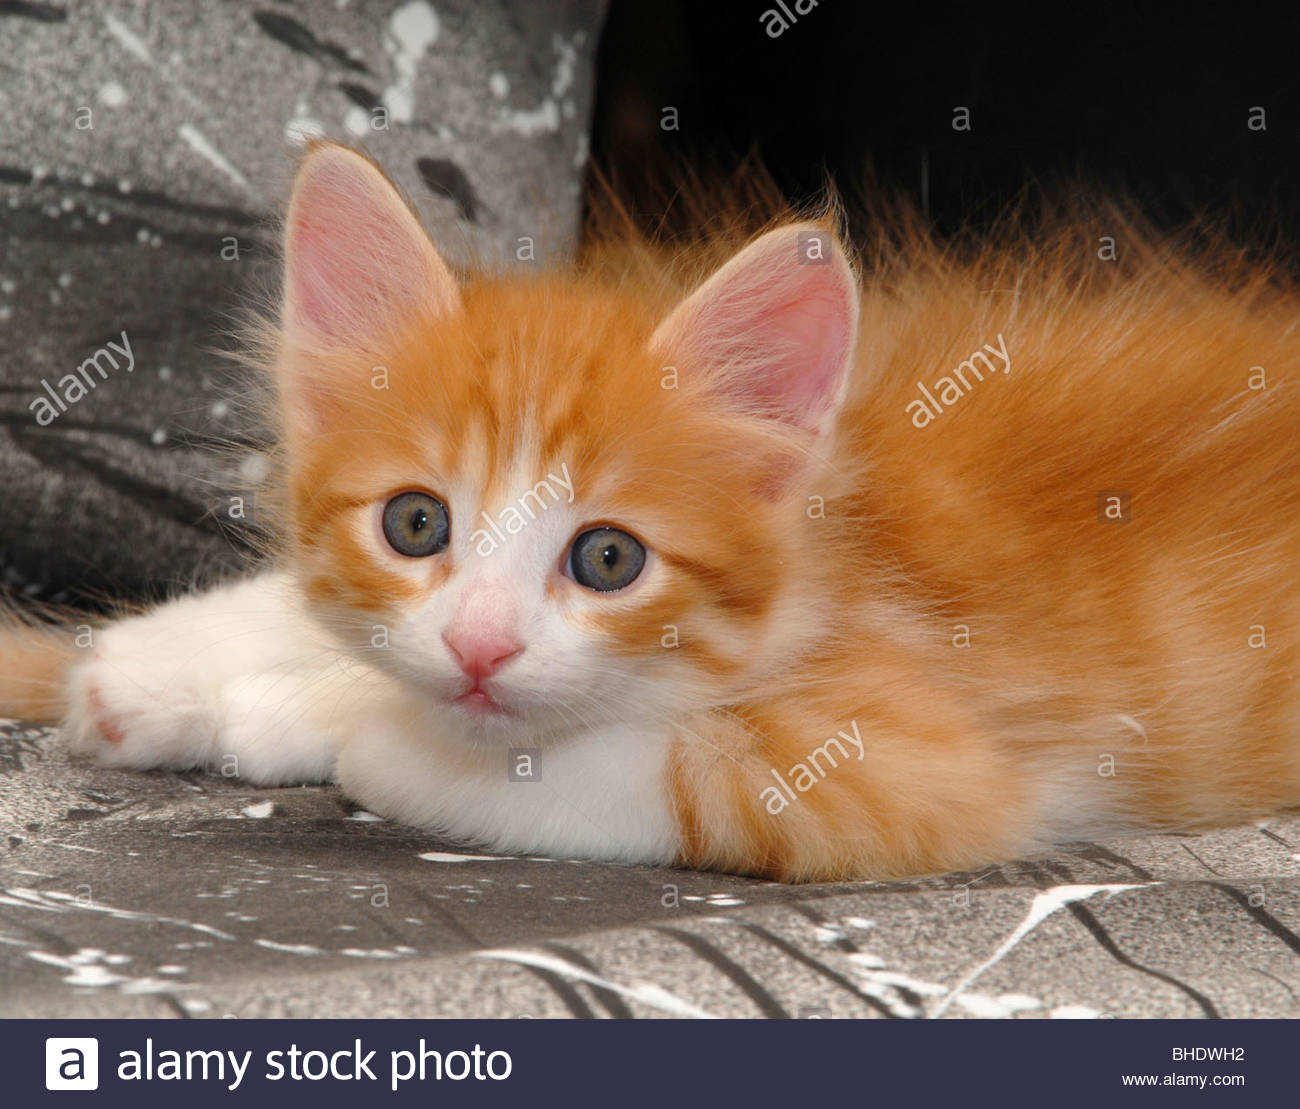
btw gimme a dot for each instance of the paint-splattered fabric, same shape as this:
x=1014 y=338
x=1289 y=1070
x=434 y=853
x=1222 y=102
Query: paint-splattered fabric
x=131 y=895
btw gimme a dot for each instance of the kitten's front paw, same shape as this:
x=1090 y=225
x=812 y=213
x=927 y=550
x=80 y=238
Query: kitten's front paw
x=129 y=704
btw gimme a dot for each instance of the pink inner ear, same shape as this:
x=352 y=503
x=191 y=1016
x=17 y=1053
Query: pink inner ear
x=355 y=255
x=777 y=328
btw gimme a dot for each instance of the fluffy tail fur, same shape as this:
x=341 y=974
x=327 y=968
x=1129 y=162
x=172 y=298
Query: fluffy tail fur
x=34 y=661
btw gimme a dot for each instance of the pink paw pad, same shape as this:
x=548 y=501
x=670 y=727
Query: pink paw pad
x=103 y=721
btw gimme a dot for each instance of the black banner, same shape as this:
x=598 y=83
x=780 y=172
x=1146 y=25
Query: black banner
x=652 y=1063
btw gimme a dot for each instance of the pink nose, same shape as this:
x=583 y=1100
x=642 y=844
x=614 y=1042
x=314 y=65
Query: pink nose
x=481 y=656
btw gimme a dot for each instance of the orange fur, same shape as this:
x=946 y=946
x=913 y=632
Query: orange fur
x=35 y=659
x=1083 y=634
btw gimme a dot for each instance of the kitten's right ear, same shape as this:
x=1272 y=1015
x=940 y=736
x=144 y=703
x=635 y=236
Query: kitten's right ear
x=356 y=258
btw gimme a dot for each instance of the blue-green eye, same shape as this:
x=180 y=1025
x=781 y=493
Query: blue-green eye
x=606 y=559
x=416 y=525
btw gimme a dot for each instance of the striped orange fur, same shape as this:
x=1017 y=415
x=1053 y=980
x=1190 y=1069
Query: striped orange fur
x=1019 y=667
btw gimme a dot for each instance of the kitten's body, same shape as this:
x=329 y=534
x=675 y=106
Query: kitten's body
x=858 y=647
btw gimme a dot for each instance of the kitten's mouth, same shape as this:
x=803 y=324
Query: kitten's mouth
x=477 y=701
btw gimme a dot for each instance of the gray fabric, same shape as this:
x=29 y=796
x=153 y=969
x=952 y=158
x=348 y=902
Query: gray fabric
x=117 y=221
x=184 y=894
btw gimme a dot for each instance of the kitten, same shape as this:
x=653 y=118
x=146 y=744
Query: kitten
x=800 y=576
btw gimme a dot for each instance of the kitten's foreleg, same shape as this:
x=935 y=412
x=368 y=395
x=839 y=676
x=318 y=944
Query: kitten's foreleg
x=235 y=680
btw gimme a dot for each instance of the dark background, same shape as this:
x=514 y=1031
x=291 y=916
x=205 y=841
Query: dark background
x=1148 y=100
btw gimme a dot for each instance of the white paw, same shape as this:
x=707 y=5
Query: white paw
x=132 y=702
x=232 y=680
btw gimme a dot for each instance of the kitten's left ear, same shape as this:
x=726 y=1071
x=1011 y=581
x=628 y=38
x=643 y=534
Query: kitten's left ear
x=356 y=258
x=774 y=328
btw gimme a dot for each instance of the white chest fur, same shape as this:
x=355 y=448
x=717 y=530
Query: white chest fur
x=599 y=795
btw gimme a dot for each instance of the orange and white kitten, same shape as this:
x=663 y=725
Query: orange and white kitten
x=795 y=575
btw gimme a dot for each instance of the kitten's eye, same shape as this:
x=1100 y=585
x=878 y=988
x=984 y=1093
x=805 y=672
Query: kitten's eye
x=606 y=559
x=416 y=524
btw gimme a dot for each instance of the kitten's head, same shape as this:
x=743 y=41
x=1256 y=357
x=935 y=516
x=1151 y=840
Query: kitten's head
x=544 y=503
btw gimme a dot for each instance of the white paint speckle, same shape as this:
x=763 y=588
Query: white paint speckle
x=412 y=29
x=89 y=966
x=159 y=437
x=289 y=948
x=1007 y=1005
x=544 y=119
x=259 y=810
x=564 y=66
x=1074 y=1012
x=499 y=83
x=65 y=279
x=300 y=130
x=865 y=960
x=377 y=952
x=197 y=142
x=219 y=410
x=112 y=94
x=447 y=857
x=254 y=468
x=128 y=38
x=357 y=120
x=363 y=817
